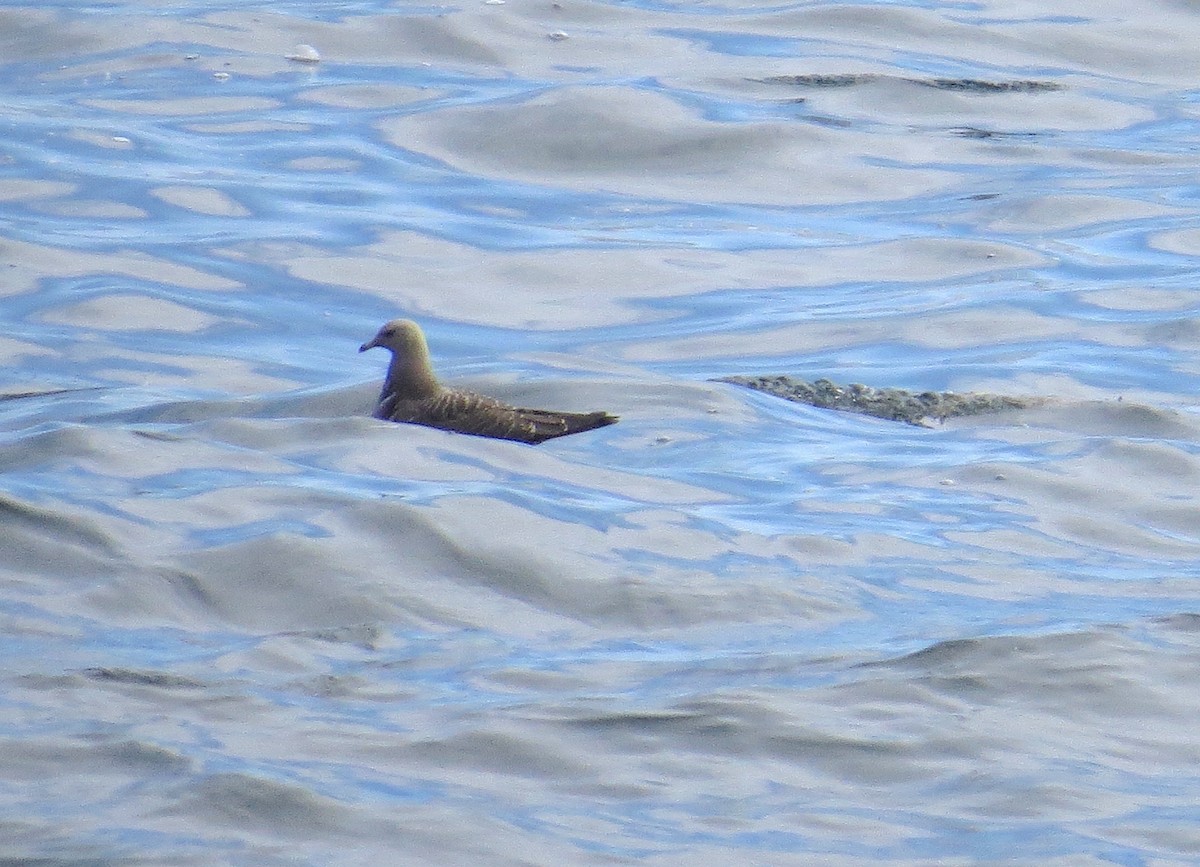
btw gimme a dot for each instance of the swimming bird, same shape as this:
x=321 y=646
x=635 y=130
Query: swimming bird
x=412 y=394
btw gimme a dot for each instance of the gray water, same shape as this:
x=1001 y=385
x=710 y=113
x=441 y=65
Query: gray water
x=245 y=623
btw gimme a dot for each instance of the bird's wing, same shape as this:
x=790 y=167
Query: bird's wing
x=471 y=413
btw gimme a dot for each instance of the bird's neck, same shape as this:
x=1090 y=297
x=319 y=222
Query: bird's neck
x=411 y=379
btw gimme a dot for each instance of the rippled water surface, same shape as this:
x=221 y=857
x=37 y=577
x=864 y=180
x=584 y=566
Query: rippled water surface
x=245 y=623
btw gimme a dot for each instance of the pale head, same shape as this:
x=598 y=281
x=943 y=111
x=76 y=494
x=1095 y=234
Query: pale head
x=402 y=337
x=410 y=374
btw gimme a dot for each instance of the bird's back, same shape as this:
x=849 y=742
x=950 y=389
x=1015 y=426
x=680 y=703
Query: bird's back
x=470 y=413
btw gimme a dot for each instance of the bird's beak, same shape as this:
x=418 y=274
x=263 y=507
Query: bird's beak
x=370 y=344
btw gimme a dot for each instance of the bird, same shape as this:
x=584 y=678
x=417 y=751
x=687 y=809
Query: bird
x=412 y=394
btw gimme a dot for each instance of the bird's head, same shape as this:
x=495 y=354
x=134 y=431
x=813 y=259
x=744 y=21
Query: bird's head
x=402 y=337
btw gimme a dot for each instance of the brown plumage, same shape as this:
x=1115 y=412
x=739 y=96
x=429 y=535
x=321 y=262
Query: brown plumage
x=412 y=394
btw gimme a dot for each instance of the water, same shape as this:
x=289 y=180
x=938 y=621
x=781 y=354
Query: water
x=244 y=623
